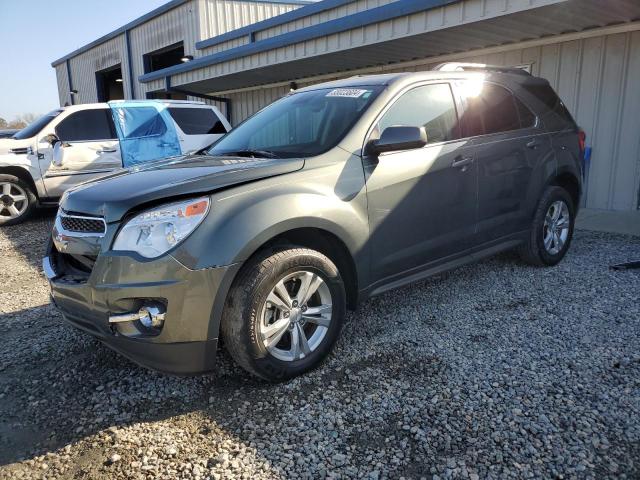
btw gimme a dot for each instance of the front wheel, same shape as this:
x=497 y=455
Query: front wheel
x=17 y=201
x=284 y=313
x=551 y=230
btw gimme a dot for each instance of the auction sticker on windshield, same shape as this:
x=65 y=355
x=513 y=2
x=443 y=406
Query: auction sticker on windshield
x=347 y=92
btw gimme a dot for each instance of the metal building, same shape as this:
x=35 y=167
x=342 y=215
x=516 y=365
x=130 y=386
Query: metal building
x=169 y=33
x=588 y=50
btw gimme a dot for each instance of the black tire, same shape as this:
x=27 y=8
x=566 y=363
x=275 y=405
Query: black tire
x=17 y=184
x=533 y=251
x=243 y=311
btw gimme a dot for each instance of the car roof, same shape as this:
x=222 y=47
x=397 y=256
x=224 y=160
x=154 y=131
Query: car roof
x=162 y=101
x=404 y=78
x=87 y=106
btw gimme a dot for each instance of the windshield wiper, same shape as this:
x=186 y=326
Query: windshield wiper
x=249 y=153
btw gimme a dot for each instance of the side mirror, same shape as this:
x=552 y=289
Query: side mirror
x=398 y=138
x=58 y=154
x=51 y=139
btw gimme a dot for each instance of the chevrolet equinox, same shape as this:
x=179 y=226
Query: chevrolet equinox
x=330 y=195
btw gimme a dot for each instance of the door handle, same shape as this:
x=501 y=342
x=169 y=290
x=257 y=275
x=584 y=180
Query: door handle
x=533 y=144
x=107 y=150
x=462 y=162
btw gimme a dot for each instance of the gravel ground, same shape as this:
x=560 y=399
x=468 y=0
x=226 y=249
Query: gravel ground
x=493 y=370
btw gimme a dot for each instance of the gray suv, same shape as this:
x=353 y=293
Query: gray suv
x=332 y=194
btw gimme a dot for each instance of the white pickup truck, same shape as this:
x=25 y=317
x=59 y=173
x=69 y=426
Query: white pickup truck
x=74 y=144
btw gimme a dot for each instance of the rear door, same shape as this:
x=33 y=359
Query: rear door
x=90 y=150
x=422 y=202
x=198 y=126
x=507 y=144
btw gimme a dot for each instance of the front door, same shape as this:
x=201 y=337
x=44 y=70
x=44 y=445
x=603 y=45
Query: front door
x=422 y=202
x=90 y=149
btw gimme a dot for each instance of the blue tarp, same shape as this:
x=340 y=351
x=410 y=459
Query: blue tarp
x=145 y=130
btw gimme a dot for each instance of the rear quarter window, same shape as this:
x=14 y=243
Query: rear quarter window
x=552 y=112
x=197 y=121
x=527 y=117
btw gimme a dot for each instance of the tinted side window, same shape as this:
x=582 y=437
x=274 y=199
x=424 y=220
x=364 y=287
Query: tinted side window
x=492 y=110
x=87 y=125
x=197 y=121
x=553 y=113
x=527 y=118
x=431 y=107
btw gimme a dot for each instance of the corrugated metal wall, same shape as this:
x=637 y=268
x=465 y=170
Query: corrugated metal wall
x=63 y=83
x=599 y=80
x=343 y=10
x=221 y=16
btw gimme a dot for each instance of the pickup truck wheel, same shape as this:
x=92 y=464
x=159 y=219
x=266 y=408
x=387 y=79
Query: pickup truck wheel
x=284 y=313
x=17 y=201
x=551 y=230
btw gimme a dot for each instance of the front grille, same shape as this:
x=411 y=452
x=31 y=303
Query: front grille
x=83 y=224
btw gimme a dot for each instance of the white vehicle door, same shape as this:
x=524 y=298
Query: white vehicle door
x=89 y=149
x=198 y=126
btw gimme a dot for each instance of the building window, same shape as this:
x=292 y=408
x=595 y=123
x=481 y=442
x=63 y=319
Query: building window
x=162 y=95
x=164 y=57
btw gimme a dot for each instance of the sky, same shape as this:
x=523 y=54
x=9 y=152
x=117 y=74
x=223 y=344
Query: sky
x=34 y=33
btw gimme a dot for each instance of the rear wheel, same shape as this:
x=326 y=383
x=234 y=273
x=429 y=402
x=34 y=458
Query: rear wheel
x=17 y=201
x=284 y=313
x=551 y=230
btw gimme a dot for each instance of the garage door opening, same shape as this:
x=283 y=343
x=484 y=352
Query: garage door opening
x=109 y=84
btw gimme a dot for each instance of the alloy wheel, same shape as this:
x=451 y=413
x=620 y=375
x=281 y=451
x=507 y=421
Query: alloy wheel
x=13 y=200
x=556 y=227
x=296 y=316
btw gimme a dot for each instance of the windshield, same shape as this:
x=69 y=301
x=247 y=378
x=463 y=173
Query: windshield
x=302 y=124
x=36 y=126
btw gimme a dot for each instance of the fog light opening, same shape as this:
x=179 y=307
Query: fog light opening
x=152 y=316
x=148 y=320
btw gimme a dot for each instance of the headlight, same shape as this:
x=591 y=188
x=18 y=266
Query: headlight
x=156 y=231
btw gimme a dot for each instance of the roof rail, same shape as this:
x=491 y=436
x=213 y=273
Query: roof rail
x=463 y=67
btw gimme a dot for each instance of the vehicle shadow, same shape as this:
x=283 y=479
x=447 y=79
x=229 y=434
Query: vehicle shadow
x=399 y=372
x=61 y=386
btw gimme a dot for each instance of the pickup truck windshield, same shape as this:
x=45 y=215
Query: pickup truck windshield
x=36 y=126
x=301 y=124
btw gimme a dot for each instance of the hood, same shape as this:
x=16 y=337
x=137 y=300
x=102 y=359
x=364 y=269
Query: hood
x=113 y=196
x=8 y=144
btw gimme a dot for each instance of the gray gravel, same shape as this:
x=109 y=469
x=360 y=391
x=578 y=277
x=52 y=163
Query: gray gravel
x=493 y=370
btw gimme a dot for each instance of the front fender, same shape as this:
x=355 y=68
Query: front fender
x=330 y=198
x=28 y=163
x=14 y=160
